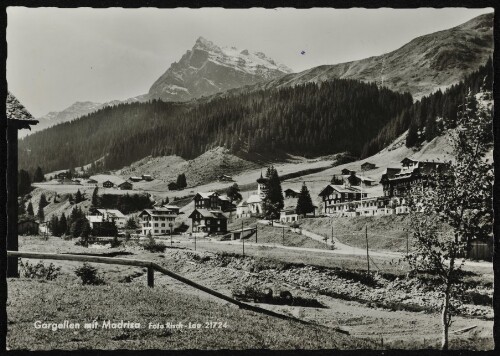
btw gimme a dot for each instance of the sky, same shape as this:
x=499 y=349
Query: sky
x=59 y=56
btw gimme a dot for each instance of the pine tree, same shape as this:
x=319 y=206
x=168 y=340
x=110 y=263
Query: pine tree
x=95 y=198
x=54 y=225
x=63 y=225
x=43 y=201
x=40 y=214
x=273 y=201
x=77 y=226
x=233 y=193
x=86 y=230
x=304 y=202
x=30 y=209
x=181 y=181
x=38 y=175
x=78 y=197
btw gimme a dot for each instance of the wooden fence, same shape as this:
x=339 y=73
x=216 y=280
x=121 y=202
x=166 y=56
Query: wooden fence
x=152 y=267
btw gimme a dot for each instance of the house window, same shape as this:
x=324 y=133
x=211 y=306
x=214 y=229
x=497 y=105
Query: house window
x=156 y=231
x=156 y=225
x=163 y=225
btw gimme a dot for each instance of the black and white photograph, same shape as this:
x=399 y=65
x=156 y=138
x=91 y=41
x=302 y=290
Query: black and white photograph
x=231 y=179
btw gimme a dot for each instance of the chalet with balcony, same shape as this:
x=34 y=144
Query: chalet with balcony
x=108 y=184
x=208 y=221
x=292 y=193
x=335 y=194
x=125 y=186
x=213 y=201
x=413 y=176
x=208 y=200
x=107 y=215
x=354 y=179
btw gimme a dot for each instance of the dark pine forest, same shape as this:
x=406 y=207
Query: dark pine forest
x=309 y=120
x=432 y=115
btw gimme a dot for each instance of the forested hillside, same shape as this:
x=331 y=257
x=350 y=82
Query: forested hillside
x=309 y=120
x=428 y=117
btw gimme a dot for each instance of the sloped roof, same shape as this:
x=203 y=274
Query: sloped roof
x=101 y=178
x=206 y=195
x=16 y=111
x=115 y=212
x=254 y=198
x=209 y=214
x=341 y=189
x=364 y=179
x=170 y=206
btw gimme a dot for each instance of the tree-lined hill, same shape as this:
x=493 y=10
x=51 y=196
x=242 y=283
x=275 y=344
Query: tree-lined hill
x=430 y=116
x=309 y=120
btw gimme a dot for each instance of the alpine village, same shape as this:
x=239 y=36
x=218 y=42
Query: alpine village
x=333 y=208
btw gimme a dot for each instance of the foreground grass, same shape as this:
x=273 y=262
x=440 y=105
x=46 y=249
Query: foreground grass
x=56 y=301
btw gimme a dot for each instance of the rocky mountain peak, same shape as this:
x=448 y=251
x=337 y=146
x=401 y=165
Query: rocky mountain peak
x=207 y=69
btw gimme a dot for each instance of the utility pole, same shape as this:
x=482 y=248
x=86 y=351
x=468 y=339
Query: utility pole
x=332 y=235
x=367 y=255
x=242 y=239
x=195 y=241
x=256 y=230
x=407 y=243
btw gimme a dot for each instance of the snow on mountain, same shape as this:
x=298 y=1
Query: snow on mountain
x=207 y=69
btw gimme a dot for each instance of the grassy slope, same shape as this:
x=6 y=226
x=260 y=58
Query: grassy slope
x=384 y=232
x=274 y=235
x=54 y=301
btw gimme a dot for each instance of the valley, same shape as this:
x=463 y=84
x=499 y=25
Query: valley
x=339 y=197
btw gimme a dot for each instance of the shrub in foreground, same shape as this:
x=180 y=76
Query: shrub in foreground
x=39 y=271
x=88 y=275
x=152 y=246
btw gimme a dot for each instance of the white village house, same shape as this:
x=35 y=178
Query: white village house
x=253 y=204
x=158 y=221
x=113 y=215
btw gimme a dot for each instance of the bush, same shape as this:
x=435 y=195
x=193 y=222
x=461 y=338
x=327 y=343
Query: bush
x=152 y=246
x=89 y=275
x=115 y=242
x=84 y=241
x=39 y=271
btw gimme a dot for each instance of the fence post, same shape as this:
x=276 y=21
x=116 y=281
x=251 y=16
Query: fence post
x=151 y=277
